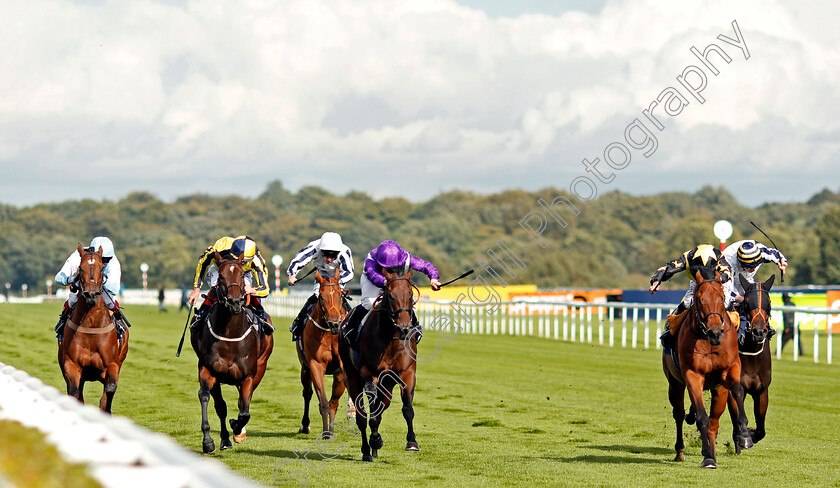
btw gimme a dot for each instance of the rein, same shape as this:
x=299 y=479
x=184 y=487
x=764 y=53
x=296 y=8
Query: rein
x=223 y=289
x=760 y=292
x=392 y=314
x=702 y=320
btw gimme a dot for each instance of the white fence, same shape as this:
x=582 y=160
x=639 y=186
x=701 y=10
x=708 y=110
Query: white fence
x=118 y=452
x=611 y=323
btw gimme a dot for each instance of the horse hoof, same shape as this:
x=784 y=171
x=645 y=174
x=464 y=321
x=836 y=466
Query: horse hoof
x=240 y=438
x=376 y=441
x=367 y=458
x=679 y=457
x=709 y=463
x=226 y=444
x=374 y=453
x=209 y=447
x=412 y=446
x=304 y=430
x=746 y=442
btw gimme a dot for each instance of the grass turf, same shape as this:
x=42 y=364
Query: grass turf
x=490 y=411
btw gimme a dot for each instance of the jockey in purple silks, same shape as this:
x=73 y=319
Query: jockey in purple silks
x=388 y=255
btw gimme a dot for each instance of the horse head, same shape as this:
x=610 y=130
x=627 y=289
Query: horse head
x=756 y=307
x=398 y=299
x=231 y=284
x=90 y=276
x=709 y=304
x=330 y=300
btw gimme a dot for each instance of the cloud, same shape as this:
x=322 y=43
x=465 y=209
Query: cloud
x=295 y=89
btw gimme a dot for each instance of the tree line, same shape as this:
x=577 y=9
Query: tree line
x=618 y=240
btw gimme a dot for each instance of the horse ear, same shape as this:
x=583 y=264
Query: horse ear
x=769 y=283
x=336 y=274
x=79 y=249
x=410 y=273
x=744 y=282
x=217 y=257
x=99 y=251
x=318 y=277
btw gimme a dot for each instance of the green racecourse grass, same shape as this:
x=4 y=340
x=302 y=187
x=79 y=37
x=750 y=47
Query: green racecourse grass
x=490 y=411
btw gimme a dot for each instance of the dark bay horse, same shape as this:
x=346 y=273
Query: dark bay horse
x=90 y=350
x=756 y=364
x=319 y=355
x=707 y=349
x=230 y=351
x=387 y=353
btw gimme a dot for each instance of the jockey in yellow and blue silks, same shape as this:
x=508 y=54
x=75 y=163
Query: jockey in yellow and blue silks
x=256 y=277
x=705 y=255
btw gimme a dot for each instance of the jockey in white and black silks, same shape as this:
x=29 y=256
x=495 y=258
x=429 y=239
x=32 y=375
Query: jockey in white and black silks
x=388 y=255
x=705 y=255
x=745 y=257
x=326 y=254
x=112 y=273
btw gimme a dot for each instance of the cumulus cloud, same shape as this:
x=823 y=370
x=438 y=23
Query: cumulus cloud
x=173 y=96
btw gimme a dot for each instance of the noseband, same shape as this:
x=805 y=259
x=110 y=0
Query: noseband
x=702 y=320
x=333 y=328
x=762 y=306
x=230 y=303
x=94 y=295
x=388 y=297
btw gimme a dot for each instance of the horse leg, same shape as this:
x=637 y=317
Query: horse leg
x=73 y=379
x=306 y=381
x=112 y=377
x=206 y=382
x=737 y=391
x=317 y=372
x=676 y=395
x=246 y=390
x=354 y=388
x=378 y=406
x=694 y=382
x=760 y=403
x=221 y=412
x=407 y=394
x=733 y=415
x=716 y=408
x=337 y=391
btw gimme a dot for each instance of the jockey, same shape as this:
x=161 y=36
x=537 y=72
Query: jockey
x=745 y=257
x=326 y=254
x=112 y=272
x=703 y=255
x=256 y=276
x=388 y=255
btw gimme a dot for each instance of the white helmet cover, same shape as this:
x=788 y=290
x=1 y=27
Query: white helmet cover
x=105 y=243
x=331 y=241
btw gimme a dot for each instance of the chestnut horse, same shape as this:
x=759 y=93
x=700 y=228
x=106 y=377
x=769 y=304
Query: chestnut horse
x=230 y=351
x=756 y=365
x=319 y=355
x=387 y=356
x=90 y=350
x=707 y=350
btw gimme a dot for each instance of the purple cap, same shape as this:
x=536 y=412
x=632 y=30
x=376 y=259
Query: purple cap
x=389 y=254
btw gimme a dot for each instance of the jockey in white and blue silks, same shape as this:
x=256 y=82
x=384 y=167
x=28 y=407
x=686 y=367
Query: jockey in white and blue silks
x=326 y=254
x=744 y=258
x=388 y=255
x=112 y=273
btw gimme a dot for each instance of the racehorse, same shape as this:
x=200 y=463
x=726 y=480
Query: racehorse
x=91 y=350
x=387 y=353
x=319 y=355
x=707 y=350
x=755 y=354
x=230 y=351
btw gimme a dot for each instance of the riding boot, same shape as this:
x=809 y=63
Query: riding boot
x=415 y=325
x=770 y=331
x=62 y=319
x=297 y=325
x=200 y=315
x=666 y=338
x=352 y=323
x=265 y=326
x=122 y=324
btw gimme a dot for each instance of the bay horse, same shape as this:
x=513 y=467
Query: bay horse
x=387 y=357
x=91 y=350
x=230 y=351
x=707 y=350
x=319 y=354
x=756 y=364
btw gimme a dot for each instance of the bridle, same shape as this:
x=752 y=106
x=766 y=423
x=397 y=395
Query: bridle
x=702 y=320
x=231 y=304
x=763 y=308
x=91 y=295
x=387 y=299
x=333 y=328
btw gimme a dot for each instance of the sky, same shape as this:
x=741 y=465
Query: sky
x=100 y=98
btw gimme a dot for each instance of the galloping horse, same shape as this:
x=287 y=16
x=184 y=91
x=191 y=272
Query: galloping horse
x=319 y=355
x=707 y=350
x=755 y=354
x=387 y=353
x=90 y=350
x=230 y=351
